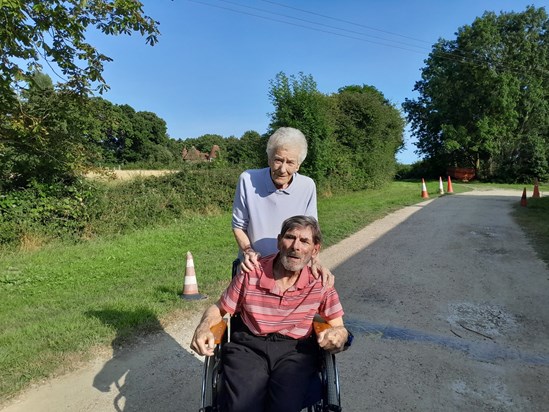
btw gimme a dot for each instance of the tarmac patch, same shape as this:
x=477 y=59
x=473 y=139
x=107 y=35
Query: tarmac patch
x=494 y=394
x=489 y=320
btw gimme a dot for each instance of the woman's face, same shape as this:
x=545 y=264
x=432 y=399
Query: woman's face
x=283 y=164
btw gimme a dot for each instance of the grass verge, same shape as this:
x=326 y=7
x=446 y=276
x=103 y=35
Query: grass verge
x=534 y=219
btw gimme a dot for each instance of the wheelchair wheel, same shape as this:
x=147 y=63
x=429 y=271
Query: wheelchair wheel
x=332 y=396
x=329 y=399
x=211 y=382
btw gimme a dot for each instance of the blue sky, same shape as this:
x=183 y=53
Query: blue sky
x=211 y=69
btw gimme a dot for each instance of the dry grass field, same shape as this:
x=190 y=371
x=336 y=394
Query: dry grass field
x=121 y=175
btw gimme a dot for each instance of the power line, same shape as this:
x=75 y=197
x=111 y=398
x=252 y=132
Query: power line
x=346 y=21
x=320 y=24
x=307 y=27
x=459 y=57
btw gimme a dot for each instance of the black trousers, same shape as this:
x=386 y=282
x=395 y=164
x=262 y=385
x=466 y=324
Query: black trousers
x=267 y=373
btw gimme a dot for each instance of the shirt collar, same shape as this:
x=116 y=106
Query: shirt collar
x=271 y=188
x=267 y=280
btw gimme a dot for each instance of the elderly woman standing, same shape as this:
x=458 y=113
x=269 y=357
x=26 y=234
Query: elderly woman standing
x=266 y=197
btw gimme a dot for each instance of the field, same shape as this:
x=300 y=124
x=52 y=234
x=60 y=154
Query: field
x=114 y=174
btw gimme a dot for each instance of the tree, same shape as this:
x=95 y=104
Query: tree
x=484 y=97
x=46 y=133
x=248 y=151
x=353 y=135
x=35 y=32
x=299 y=104
x=369 y=133
x=47 y=141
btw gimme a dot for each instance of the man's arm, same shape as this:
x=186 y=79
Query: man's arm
x=333 y=339
x=203 y=339
x=250 y=256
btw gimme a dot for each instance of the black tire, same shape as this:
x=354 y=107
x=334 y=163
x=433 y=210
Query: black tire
x=211 y=382
x=332 y=391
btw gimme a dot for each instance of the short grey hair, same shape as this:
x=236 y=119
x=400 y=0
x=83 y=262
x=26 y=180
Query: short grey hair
x=290 y=138
x=303 y=221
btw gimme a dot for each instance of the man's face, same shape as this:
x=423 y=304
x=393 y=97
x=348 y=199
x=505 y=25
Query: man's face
x=284 y=164
x=297 y=248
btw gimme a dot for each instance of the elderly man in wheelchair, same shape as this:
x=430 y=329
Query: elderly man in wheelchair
x=273 y=353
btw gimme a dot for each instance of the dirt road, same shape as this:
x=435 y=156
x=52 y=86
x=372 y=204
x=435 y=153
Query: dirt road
x=448 y=302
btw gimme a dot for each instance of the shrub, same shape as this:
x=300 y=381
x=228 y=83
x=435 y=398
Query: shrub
x=50 y=210
x=87 y=209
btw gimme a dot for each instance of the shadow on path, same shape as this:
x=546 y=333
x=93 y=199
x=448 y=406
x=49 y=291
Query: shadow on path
x=160 y=376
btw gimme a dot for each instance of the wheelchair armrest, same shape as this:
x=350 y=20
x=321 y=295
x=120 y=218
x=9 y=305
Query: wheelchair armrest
x=320 y=325
x=219 y=330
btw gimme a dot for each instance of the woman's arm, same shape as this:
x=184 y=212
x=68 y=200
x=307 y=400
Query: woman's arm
x=250 y=256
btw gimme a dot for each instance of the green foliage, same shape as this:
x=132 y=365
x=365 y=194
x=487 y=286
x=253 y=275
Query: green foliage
x=249 y=151
x=48 y=134
x=299 y=104
x=353 y=135
x=484 y=98
x=163 y=200
x=55 y=136
x=84 y=210
x=369 y=132
x=127 y=136
x=46 y=210
x=32 y=31
x=46 y=138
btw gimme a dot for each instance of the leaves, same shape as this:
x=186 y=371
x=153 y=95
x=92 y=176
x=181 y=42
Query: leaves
x=54 y=32
x=353 y=135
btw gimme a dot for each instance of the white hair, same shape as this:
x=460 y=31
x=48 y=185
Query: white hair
x=290 y=138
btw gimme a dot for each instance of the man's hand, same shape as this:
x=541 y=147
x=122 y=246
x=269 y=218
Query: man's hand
x=203 y=341
x=251 y=260
x=328 y=279
x=333 y=339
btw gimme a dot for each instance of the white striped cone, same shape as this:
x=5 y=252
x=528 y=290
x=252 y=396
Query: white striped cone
x=440 y=186
x=424 y=193
x=190 y=287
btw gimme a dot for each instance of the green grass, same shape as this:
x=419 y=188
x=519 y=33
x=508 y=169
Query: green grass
x=534 y=219
x=59 y=303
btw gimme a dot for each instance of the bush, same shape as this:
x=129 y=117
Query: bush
x=153 y=200
x=51 y=210
x=89 y=209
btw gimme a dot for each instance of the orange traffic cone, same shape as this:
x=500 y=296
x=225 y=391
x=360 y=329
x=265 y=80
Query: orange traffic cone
x=424 y=193
x=536 y=188
x=523 y=198
x=450 y=190
x=190 y=288
x=440 y=187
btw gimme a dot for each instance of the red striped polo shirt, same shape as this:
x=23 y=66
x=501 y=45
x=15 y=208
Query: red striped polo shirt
x=265 y=309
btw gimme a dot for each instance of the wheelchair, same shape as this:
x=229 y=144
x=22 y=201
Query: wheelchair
x=324 y=392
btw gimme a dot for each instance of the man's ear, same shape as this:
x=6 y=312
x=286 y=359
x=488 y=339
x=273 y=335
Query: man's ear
x=316 y=250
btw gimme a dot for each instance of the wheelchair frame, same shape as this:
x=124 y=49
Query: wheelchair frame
x=330 y=399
